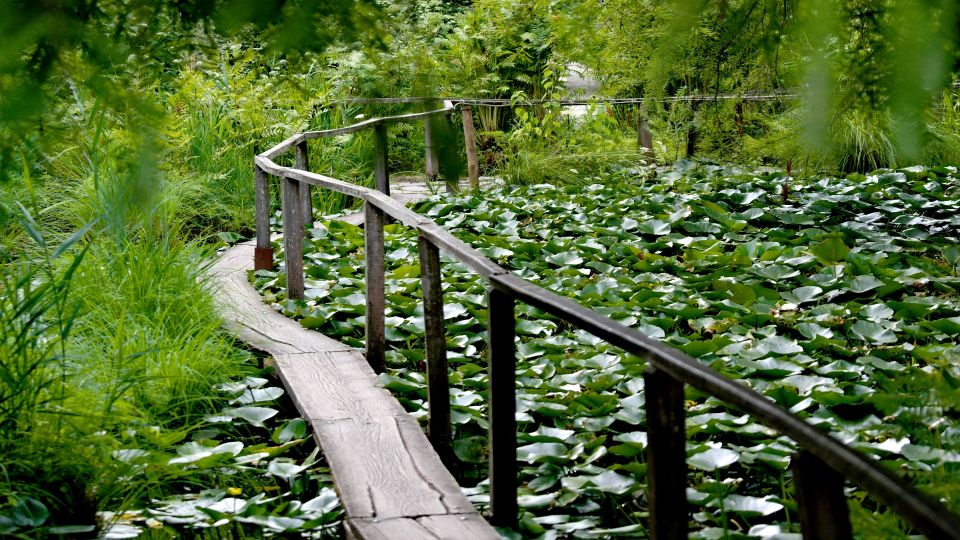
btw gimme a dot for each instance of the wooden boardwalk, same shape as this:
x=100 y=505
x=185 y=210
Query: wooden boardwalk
x=391 y=482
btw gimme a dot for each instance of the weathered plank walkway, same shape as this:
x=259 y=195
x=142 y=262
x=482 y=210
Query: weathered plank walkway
x=391 y=482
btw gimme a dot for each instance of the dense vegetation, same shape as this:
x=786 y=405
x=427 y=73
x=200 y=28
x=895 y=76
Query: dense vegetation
x=838 y=301
x=127 y=131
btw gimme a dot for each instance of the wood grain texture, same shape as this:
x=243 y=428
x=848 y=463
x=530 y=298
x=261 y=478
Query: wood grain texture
x=435 y=347
x=306 y=199
x=335 y=385
x=381 y=153
x=247 y=316
x=385 y=468
x=375 y=296
x=292 y=237
x=470 y=145
x=391 y=482
x=450 y=527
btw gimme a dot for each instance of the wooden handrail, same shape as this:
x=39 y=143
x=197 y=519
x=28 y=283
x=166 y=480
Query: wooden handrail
x=820 y=453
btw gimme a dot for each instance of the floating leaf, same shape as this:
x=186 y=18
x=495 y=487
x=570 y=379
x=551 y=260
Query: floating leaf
x=713 y=459
x=873 y=332
x=830 y=251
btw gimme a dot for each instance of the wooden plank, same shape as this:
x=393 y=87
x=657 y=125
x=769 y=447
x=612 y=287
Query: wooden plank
x=821 y=503
x=374 y=275
x=335 y=385
x=666 y=456
x=263 y=256
x=385 y=468
x=460 y=251
x=432 y=163
x=370 y=123
x=453 y=184
x=381 y=152
x=470 y=144
x=292 y=237
x=394 y=209
x=247 y=316
x=501 y=367
x=306 y=202
x=447 y=527
x=435 y=347
x=283 y=146
x=313 y=179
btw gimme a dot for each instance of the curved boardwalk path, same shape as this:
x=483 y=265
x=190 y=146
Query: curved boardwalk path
x=391 y=482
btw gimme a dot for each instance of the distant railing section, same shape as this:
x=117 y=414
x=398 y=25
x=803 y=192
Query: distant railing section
x=820 y=468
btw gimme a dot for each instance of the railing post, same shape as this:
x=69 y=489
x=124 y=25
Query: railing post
x=470 y=144
x=502 y=403
x=306 y=203
x=432 y=167
x=820 y=499
x=692 y=134
x=373 y=254
x=644 y=137
x=263 y=253
x=438 y=384
x=292 y=236
x=380 y=154
x=666 y=456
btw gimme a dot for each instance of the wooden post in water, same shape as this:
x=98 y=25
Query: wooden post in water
x=644 y=137
x=373 y=255
x=666 y=456
x=292 y=236
x=432 y=167
x=306 y=203
x=692 y=134
x=820 y=499
x=470 y=144
x=501 y=368
x=381 y=153
x=435 y=345
x=263 y=253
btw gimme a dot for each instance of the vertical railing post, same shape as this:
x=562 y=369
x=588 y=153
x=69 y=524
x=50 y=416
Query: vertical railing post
x=453 y=184
x=381 y=152
x=666 y=456
x=263 y=253
x=644 y=136
x=470 y=144
x=820 y=499
x=432 y=167
x=373 y=254
x=692 y=134
x=502 y=403
x=306 y=203
x=438 y=384
x=292 y=236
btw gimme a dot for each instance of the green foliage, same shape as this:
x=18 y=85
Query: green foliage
x=837 y=302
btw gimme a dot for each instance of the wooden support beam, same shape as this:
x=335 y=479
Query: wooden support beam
x=306 y=203
x=435 y=345
x=432 y=167
x=820 y=499
x=263 y=254
x=666 y=456
x=381 y=152
x=692 y=135
x=470 y=144
x=644 y=136
x=292 y=237
x=453 y=184
x=503 y=408
x=373 y=255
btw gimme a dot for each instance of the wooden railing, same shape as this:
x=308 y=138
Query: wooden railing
x=820 y=468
